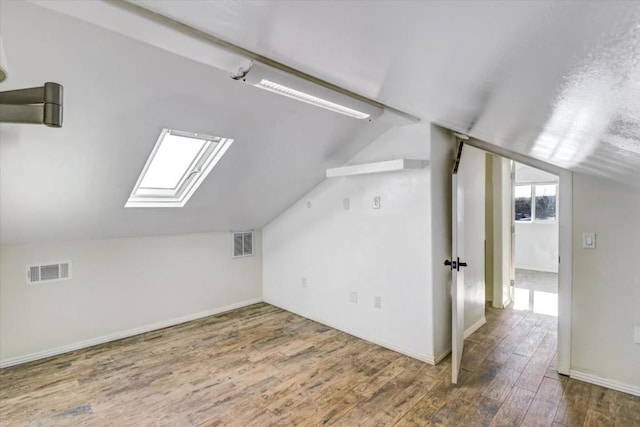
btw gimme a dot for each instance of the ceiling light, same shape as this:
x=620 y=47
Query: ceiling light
x=178 y=164
x=304 y=88
x=310 y=99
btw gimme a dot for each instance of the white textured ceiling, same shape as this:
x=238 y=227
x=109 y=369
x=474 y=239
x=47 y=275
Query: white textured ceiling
x=73 y=182
x=558 y=81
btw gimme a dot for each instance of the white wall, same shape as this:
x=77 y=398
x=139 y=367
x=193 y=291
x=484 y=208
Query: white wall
x=536 y=242
x=606 y=283
x=537 y=246
x=118 y=285
x=385 y=252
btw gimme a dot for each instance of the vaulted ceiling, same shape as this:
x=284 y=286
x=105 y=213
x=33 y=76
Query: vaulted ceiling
x=73 y=182
x=557 y=81
x=554 y=80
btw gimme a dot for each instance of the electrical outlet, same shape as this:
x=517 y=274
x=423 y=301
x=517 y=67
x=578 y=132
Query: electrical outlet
x=353 y=296
x=346 y=203
x=304 y=282
x=637 y=335
x=309 y=204
x=377 y=301
x=376 y=202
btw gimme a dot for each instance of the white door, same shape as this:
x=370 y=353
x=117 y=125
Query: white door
x=467 y=247
x=457 y=264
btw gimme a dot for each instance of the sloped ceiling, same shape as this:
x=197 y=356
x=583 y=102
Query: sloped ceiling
x=72 y=183
x=557 y=81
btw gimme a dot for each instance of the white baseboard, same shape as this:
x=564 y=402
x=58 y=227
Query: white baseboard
x=124 y=334
x=441 y=356
x=605 y=382
x=505 y=304
x=474 y=327
x=358 y=334
x=538 y=268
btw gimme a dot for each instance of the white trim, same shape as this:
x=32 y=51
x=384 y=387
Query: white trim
x=377 y=167
x=565 y=269
x=124 y=334
x=505 y=303
x=606 y=382
x=359 y=334
x=520 y=158
x=535 y=268
x=441 y=356
x=471 y=329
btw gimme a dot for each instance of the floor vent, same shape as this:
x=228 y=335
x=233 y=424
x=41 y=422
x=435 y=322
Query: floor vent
x=46 y=273
x=242 y=243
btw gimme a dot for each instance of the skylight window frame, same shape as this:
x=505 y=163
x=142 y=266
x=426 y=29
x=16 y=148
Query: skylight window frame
x=202 y=164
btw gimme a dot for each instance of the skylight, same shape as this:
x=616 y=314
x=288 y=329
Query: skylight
x=178 y=164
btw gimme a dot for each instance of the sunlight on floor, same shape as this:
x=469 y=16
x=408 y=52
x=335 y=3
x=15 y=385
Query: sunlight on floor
x=539 y=302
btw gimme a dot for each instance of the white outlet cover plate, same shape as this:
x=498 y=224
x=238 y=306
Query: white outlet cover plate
x=589 y=240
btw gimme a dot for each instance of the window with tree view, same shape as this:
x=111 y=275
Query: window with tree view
x=545 y=209
x=523 y=202
x=535 y=202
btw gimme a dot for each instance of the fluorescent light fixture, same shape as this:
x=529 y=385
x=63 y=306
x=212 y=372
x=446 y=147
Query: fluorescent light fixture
x=302 y=87
x=178 y=164
x=310 y=99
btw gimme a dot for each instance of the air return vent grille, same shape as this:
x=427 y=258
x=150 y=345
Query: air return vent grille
x=242 y=243
x=49 y=272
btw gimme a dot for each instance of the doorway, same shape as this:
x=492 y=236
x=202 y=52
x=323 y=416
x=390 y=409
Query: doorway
x=536 y=240
x=500 y=271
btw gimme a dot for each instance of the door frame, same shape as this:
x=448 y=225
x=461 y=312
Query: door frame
x=565 y=242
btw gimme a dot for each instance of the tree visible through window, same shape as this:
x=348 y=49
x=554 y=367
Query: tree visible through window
x=546 y=202
x=544 y=207
x=523 y=203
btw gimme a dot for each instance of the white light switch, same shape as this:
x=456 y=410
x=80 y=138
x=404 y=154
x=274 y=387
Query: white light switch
x=589 y=240
x=346 y=203
x=636 y=338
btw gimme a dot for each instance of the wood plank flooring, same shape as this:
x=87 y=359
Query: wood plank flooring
x=262 y=366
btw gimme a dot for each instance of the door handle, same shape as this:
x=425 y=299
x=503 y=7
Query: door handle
x=455 y=265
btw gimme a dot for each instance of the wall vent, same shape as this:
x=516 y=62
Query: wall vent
x=49 y=272
x=242 y=243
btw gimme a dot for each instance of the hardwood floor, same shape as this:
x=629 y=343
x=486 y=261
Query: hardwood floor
x=262 y=366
